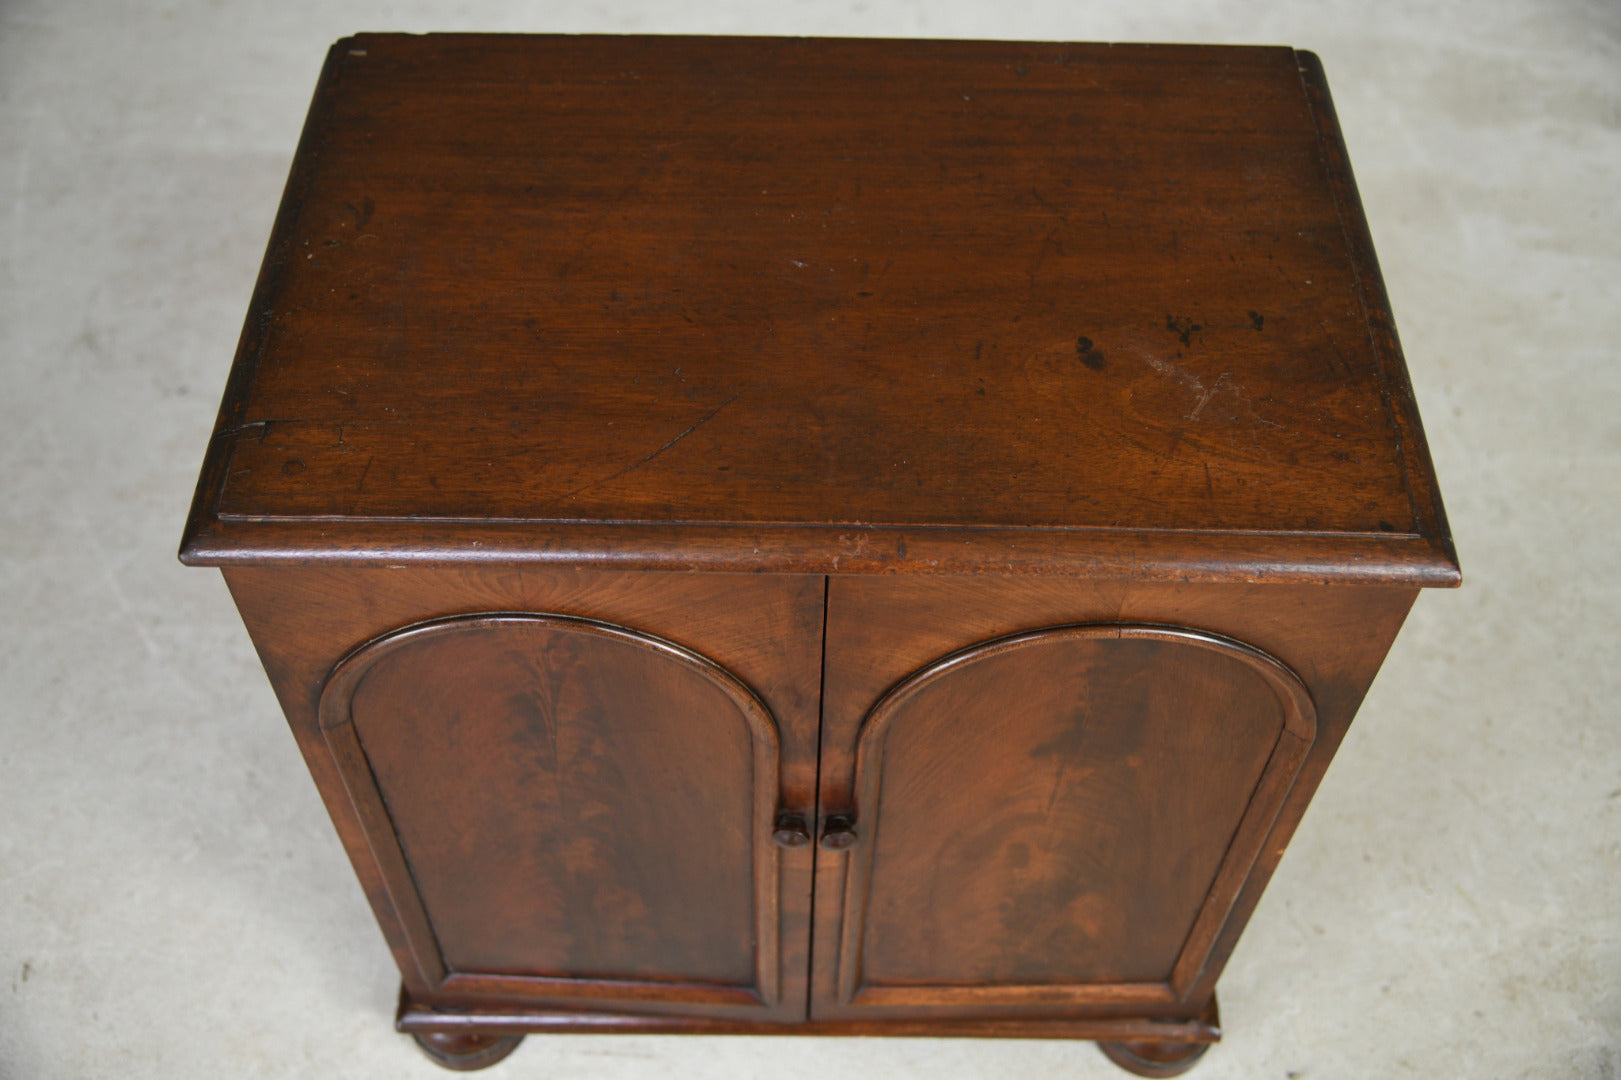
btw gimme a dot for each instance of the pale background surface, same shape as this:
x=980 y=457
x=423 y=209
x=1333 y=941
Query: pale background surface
x=173 y=901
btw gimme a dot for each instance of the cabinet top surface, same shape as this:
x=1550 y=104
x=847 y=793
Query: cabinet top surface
x=822 y=305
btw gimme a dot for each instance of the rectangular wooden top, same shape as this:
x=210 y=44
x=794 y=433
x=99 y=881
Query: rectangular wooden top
x=822 y=305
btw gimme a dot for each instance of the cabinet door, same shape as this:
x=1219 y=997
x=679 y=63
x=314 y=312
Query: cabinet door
x=1052 y=822
x=568 y=811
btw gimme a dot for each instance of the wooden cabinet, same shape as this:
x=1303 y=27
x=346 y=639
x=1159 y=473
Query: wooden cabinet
x=837 y=537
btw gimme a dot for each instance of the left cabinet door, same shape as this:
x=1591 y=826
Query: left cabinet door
x=564 y=804
x=565 y=810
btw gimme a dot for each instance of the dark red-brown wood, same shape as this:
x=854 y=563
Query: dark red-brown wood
x=1154 y=1059
x=557 y=801
x=827 y=305
x=883 y=630
x=496 y=1020
x=466 y=1051
x=1060 y=818
x=531 y=802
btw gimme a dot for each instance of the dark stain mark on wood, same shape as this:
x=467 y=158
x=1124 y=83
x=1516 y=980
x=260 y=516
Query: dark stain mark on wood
x=1257 y=320
x=1090 y=355
x=1182 y=328
x=363 y=212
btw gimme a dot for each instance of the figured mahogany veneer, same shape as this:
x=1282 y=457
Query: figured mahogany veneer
x=838 y=537
x=980 y=835
x=488 y=700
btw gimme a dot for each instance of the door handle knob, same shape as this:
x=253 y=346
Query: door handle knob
x=790 y=830
x=839 y=832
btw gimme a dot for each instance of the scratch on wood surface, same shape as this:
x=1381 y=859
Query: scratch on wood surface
x=1058 y=785
x=1051 y=244
x=1171 y=371
x=1195 y=385
x=1204 y=399
x=633 y=466
x=360 y=488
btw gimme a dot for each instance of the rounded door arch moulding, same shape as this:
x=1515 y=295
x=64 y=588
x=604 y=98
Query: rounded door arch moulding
x=1300 y=717
x=353 y=667
x=1139 y=742
x=588 y=767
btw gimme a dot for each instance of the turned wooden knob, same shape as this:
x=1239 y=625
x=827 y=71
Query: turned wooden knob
x=839 y=832
x=791 y=831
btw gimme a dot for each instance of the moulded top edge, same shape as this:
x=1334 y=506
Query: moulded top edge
x=1106 y=554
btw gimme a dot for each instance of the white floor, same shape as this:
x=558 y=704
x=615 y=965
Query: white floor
x=173 y=902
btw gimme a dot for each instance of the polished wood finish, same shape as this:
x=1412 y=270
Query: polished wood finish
x=841 y=537
x=415 y=1018
x=721 y=654
x=616 y=787
x=543 y=298
x=1050 y=820
x=1154 y=1059
x=465 y=1051
x=882 y=630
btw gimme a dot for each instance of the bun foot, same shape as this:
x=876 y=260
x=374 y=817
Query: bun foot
x=465 y=1052
x=1154 y=1058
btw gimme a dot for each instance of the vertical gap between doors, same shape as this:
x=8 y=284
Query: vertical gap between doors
x=816 y=813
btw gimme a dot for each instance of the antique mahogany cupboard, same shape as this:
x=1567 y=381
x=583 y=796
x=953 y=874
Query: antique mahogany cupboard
x=851 y=537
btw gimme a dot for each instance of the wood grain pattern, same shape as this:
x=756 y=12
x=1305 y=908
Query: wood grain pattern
x=1098 y=555
x=565 y=802
x=414 y=1016
x=1398 y=387
x=1062 y=817
x=818 y=536
x=882 y=630
x=594 y=285
x=765 y=631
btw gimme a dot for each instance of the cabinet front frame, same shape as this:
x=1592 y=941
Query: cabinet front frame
x=820 y=651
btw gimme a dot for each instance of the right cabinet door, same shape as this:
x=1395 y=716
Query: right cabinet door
x=1053 y=822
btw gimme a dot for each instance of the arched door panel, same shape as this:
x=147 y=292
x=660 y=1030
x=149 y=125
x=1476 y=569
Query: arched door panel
x=1060 y=818
x=564 y=809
